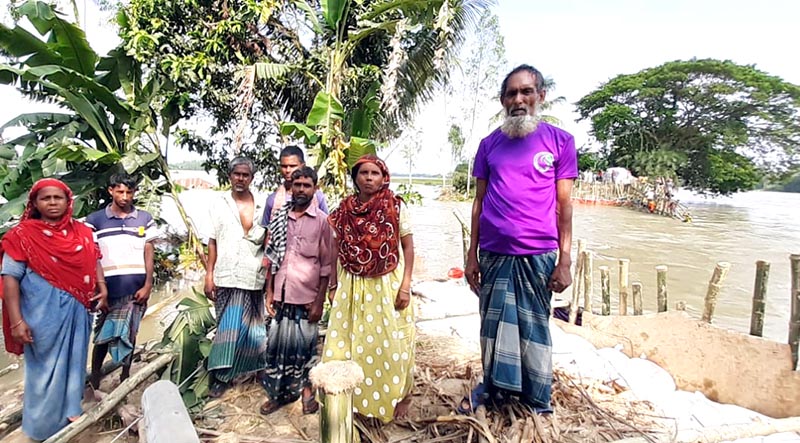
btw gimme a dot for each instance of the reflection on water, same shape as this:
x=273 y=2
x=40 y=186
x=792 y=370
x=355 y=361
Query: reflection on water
x=740 y=230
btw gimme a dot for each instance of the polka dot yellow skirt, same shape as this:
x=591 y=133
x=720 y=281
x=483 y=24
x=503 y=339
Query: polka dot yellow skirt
x=365 y=327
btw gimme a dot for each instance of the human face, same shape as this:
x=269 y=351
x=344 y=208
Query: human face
x=51 y=203
x=369 y=180
x=241 y=177
x=521 y=96
x=303 y=189
x=289 y=164
x=122 y=196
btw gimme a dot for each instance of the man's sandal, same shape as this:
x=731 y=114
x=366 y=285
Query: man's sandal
x=476 y=398
x=310 y=405
x=269 y=407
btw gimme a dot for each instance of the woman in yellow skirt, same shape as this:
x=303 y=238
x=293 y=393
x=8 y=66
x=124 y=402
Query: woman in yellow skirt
x=371 y=318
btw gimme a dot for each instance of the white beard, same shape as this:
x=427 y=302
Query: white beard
x=519 y=126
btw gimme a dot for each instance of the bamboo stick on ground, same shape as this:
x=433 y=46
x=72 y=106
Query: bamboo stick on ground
x=588 y=281
x=661 y=287
x=577 y=282
x=605 y=286
x=637 y=298
x=714 y=287
x=624 y=267
x=794 y=319
x=759 y=295
x=110 y=401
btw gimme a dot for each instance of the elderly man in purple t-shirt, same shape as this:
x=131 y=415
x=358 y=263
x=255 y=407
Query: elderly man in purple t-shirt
x=522 y=224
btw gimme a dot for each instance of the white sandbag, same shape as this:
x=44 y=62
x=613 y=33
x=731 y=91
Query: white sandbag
x=569 y=343
x=444 y=300
x=647 y=380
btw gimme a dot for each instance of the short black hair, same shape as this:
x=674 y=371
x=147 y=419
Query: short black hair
x=123 y=179
x=293 y=150
x=307 y=172
x=241 y=161
x=523 y=68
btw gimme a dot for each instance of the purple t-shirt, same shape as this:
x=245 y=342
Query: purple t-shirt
x=519 y=208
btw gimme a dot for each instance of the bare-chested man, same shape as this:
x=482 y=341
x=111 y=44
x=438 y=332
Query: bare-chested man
x=235 y=280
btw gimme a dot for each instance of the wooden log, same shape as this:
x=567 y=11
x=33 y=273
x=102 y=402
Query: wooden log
x=165 y=419
x=714 y=287
x=759 y=294
x=794 y=318
x=661 y=288
x=624 y=267
x=637 y=298
x=110 y=401
x=335 y=381
x=577 y=282
x=8 y=369
x=588 y=281
x=605 y=288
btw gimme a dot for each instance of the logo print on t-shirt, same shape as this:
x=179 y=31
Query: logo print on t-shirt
x=543 y=162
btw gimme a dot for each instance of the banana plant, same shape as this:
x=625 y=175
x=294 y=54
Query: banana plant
x=109 y=120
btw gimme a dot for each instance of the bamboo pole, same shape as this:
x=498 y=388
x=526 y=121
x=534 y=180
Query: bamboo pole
x=335 y=382
x=794 y=320
x=588 y=281
x=577 y=283
x=605 y=287
x=624 y=267
x=714 y=287
x=110 y=401
x=637 y=298
x=759 y=294
x=661 y=287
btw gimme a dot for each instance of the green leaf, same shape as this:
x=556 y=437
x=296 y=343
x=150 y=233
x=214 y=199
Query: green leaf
x=333 y=10
x=132 y=161
x=205 y=347
x=325 y=110
x=364 y=115
x=13 y=209
x=19 y=43
x=299 y=131
x=311 y=15
x=37 y=118
x=358 y=148
x=271 y=71
x=7 y=152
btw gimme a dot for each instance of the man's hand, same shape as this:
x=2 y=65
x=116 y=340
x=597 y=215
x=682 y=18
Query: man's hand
x=142 y=295
x=314 y=312
x=22 y=334
x=473 y=273
x=561 y=278
x=209 y=288
x=403 y=299
x=102 y=300
x=269 y=300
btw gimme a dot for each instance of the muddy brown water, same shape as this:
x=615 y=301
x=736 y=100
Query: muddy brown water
x=740 y=230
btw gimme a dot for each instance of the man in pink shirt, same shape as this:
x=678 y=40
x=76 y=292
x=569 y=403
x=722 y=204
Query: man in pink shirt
x=301 y=254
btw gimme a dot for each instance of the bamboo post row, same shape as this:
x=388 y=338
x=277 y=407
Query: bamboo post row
x=759 y=294
x=588 y=281
x=794 y=319
x=577 y=283
x=605 y=287
x=624 y=267
x=637 y=298
x=661 y=287
x=714 y=287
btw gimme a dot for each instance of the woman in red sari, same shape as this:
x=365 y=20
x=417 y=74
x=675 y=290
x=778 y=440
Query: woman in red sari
x=51 y=278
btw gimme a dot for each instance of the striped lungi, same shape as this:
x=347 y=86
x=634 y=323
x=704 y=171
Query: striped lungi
x=515 y=334
x=240 y=343
x=118 y=327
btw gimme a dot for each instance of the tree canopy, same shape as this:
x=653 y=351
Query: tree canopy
x=717 y=126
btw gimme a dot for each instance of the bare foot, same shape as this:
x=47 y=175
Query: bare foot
x=401 y=410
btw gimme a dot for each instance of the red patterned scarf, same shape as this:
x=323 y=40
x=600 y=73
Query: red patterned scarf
x=63 y=253
x=369 y=232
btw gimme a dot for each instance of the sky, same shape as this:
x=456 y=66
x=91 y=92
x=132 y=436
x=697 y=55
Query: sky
x=580 y=44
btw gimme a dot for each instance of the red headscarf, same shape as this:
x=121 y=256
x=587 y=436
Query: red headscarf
x=369 y=232
x=63 y=253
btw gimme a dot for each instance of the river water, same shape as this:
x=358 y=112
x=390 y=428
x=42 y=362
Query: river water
x=740 y=230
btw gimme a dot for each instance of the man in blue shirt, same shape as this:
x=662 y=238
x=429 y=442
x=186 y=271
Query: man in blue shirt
x=125 y=236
